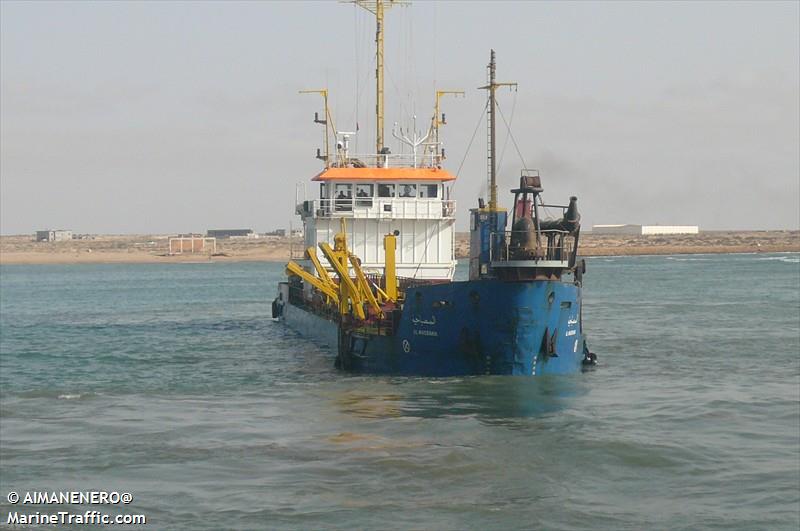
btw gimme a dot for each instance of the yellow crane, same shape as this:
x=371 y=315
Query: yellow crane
x=350 y=294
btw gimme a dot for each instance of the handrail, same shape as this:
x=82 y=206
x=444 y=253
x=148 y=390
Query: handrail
x=389 y=160
x=554 y=246
x=379 y=208
x=297 y=253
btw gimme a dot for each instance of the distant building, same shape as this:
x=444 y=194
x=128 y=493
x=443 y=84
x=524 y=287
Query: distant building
x=276 y=232
x=669 y=229
x=192 y=243
x=231 y=233
x=53 y=235
x=645 y=230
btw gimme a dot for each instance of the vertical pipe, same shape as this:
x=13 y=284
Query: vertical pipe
x=436 y=127
x=389 y=268
x=536 y=224
x=327 y=133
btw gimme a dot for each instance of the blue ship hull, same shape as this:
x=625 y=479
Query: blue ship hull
x=485 y=326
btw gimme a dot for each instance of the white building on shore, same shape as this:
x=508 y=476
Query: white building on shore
x=53 y=235
x=645 y=230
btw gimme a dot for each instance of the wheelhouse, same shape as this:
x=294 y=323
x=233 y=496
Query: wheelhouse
x=414 y=202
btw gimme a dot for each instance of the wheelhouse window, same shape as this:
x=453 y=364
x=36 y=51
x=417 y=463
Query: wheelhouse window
x=429 y=191
x=322 y=194
x=364 y=193
x=385 y=190
x=344 y=197
x=408 y=190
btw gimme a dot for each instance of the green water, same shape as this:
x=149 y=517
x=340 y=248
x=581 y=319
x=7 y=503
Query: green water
x=170 y=382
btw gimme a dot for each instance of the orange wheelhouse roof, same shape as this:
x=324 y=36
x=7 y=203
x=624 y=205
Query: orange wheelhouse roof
x=384 y=174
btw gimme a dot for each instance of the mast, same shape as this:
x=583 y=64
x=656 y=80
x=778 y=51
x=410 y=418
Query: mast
x=379 y=75
x=377 y=8
x=438 y=120
x=492 y=108
x=327 y=122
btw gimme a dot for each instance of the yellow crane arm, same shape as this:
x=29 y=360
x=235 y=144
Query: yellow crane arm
x=344 y=280
x=293 y=268
x=382 y=293
x=321 y=271
x=365 y=289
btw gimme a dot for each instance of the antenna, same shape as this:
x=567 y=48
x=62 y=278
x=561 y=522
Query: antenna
x=414 y=141
x=492 y=87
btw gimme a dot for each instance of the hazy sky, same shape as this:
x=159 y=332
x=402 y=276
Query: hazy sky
x=182 y=116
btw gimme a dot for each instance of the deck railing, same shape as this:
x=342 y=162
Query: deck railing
x=554 y=246
x=297 y=252
x=378 y=208
x=390 y=160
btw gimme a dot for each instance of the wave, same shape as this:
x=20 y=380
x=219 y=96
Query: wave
x=71 y=396
x=56 y=394
x=785 y=259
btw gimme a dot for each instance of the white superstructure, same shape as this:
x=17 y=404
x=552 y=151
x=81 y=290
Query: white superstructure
x=375 y=201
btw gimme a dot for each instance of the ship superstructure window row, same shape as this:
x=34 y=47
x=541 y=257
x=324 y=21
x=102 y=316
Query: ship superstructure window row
x=384 y=190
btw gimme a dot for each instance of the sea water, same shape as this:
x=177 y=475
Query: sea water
x=172 y=383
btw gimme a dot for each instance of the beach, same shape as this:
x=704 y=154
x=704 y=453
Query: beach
x=149 y=248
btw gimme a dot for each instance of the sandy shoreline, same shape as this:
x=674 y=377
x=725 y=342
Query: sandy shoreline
x=133 y=249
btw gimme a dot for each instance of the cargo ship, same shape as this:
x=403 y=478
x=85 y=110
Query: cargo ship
x=375 y=278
